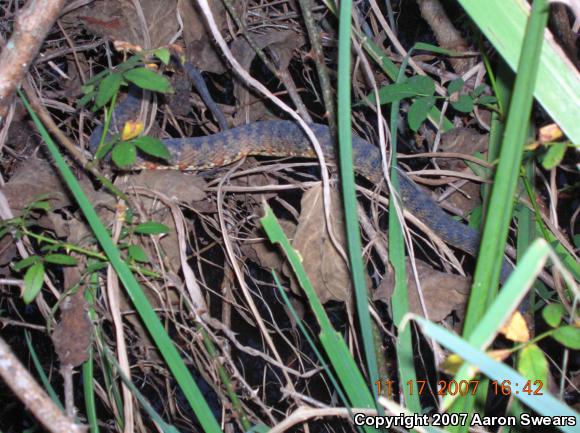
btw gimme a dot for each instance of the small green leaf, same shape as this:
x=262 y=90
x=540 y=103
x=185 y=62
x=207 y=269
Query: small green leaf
x=162 y=54
x=532 y=363
x=129 y=215
x=24 y=263
x=148 y=80
x=105 y=149
x=422 y=85
x=50 y=248
x=90 y=83
x=478 y=91
x=464 y=104
x=455 y=86
x=393 y=92
x=419 y=111
x=553 y=313
x=128 y=64
x=124 y=154
x=152 y=146
x=33 y=280
x=486 y=100
x=437 y=50
x=88 y=88
x=569 y=336
x=137 y=254
x=476 y=217
x=86 y=99
x=60 y=259
x=124 y=233
x=152 y=228
x=97 y=266
x=554 y=155
x=41 y=204
x=107 y=88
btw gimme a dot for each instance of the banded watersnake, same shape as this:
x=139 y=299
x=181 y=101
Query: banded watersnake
x=286 y=139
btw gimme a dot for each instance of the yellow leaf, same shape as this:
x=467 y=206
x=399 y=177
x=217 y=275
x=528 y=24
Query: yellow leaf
x=132 y=129
x=516 y=329
x=451 y=364
x=551 y=132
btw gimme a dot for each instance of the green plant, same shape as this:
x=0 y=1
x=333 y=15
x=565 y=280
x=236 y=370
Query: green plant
x=52 y=251
x=102 y=91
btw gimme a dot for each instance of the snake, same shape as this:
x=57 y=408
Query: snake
x=284 y=138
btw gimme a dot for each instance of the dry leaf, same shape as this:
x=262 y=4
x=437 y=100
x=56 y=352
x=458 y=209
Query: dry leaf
x=126 y=47
x=119 y=20
x=516 y=329
x=325 y=268
x=469 y=142
x=72 y=334
x=500 y=354
x=443 y=293
x=22 y=188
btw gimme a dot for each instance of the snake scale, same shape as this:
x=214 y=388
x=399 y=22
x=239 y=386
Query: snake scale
x=284 y=138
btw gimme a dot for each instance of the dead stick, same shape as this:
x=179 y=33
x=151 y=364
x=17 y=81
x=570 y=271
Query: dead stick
x=30 y=29
x=32 y=395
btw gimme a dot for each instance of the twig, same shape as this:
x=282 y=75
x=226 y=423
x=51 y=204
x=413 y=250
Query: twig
x=447 y=35
x=32 y=395
x=30 y=28
x=318 y=57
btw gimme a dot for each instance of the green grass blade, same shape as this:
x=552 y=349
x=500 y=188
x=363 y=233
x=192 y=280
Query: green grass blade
x=546 y=404
x=500 y=206
x=348 y=189
x=41 y=374
x=88 y=380
x=350 y=377
x=495 y=231
x=558 y=84
x=400 y=298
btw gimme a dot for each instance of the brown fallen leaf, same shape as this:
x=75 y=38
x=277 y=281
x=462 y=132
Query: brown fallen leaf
x=184 y=187
x=23 y=188
x=72 y=334
x=119 y=20
x=325 y=267
x=469 y=142
x=443 y=293
x=500 y=354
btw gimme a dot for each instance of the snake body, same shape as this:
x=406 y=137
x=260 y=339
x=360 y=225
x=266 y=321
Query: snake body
x=287 y=139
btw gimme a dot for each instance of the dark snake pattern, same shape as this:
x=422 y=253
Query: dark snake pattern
x=286 y=139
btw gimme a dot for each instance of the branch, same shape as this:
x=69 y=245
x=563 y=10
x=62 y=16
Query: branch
x=32 y=395
x=30 y=29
